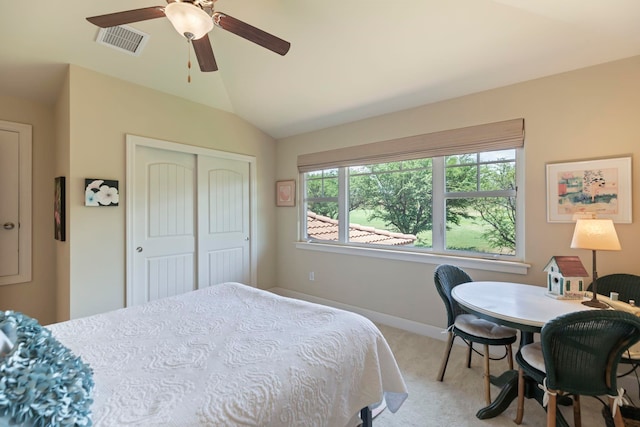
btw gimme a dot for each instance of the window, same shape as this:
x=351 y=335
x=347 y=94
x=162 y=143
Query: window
x=452 y=192
x=462 y=204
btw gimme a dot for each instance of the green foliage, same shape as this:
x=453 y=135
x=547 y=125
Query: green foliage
x=499 y=212
x=399 y=194
x=323 y=187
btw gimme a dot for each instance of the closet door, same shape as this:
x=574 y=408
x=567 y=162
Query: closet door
x=188 y=219
x=164 y=224
x=223 y=221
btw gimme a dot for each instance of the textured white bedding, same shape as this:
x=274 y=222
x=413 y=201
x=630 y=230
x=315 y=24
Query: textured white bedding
x=233 y=355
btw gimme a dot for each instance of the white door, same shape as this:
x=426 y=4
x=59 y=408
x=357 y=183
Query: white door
x=178 y=202
x=163 y=224
x=9 y=208
x=223 y=221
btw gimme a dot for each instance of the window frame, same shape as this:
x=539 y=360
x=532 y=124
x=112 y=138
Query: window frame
x=437 y=253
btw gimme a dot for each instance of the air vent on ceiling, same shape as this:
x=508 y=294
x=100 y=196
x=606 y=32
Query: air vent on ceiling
x=123 y=38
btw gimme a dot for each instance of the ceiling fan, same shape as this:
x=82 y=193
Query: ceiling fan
x=194 y=19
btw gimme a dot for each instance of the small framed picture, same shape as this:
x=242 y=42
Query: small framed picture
x=58 y=209
x=101 y=192
x=286 y=193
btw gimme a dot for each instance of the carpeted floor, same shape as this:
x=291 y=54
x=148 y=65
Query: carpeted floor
x=454 y=402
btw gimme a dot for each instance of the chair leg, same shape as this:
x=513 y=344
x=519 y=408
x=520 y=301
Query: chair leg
x=445 y=357
x=469 y=351
x=617 y=420
x=551 y=411
x=510 y=356
x=487 y=376
x=520 y=410
x=577 y=417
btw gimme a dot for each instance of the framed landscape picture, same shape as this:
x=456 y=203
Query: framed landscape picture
x=597 y=187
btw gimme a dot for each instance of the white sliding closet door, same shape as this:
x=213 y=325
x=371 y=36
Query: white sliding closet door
x=188 y=219
x=164 y=224
x=223 y=225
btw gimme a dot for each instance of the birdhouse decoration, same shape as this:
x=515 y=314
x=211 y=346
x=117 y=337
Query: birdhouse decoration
x=566 y=277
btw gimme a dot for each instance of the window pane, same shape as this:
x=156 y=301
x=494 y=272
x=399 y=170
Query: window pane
x=322 y=221
x=321 y=184
x=492 y=156
x=461 y=179
x=389 y=206
x=387 y=167
x=483 y=225
x=498 y=176
x=416 y=164
x=328 y=209
x=321 y=200
x=461 y=159
x=355 y=170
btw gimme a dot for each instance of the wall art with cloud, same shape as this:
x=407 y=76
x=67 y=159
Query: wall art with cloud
x=101 y=192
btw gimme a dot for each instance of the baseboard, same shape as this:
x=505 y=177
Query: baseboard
x=374 y=316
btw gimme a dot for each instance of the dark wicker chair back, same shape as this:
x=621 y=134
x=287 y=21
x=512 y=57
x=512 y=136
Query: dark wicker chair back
x=582 y=350
x=626 y=285
x=447 y=277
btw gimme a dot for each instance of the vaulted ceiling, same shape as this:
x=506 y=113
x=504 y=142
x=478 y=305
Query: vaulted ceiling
x=349 y=59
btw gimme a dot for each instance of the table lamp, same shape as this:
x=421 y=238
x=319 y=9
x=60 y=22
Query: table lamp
x=596 y=235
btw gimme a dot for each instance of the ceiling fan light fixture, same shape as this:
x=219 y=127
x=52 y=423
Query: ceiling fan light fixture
x=188 y=20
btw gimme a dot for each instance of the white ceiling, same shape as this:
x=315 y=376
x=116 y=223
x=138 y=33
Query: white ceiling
x=349 y=59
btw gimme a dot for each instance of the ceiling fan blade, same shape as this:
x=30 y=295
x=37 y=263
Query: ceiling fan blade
x=251 y=33
x=127 y=17
x=204 y=53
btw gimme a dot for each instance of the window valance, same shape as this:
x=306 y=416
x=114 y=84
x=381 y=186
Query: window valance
x=486 y=137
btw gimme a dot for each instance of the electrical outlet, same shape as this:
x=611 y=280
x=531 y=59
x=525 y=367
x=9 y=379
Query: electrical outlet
x=312 y=276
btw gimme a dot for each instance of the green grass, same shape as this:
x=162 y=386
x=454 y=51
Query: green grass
x=361 y=216
x=467 y=236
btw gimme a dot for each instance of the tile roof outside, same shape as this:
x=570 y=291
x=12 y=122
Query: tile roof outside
x=324 y=228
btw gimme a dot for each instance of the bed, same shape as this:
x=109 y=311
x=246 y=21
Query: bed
x=233 y=355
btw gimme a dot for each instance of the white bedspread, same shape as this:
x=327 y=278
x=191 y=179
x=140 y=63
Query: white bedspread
x=232 y=355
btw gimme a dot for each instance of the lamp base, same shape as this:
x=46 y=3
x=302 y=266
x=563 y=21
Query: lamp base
x=595 y=303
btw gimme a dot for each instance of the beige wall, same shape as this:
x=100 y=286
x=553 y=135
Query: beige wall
x=36 y=298
x=83 y=136
x=102 y=111
x=62 y=149
x=584 y=114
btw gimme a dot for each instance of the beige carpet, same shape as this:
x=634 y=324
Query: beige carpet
x=454 y=402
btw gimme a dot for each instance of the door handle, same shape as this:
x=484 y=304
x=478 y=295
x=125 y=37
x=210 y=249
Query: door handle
x=139 y=249
x=8 y=226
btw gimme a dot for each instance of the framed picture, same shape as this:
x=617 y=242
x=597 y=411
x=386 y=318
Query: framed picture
x=286 y=193
x=101 y=192
x=58 y=209
x=595 y=187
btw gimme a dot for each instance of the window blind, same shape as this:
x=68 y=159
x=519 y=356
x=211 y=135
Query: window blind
x=486 y=137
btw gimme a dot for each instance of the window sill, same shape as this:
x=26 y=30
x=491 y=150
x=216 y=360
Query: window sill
x=425 y=258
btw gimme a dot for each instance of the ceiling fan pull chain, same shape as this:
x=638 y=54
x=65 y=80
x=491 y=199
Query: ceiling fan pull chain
x=189 y=62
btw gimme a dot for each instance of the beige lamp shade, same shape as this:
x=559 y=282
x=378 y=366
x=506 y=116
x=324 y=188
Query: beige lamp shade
x=189 y=20
x=595 y=234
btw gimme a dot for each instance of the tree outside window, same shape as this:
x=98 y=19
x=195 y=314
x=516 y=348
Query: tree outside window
x=475 y=207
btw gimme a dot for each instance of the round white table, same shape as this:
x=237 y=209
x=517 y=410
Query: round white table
x=523 y=307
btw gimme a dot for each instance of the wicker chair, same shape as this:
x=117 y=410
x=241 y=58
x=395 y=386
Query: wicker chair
x=628 y=288
x=469 y=327
x=626 y=285
x=578 y=354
